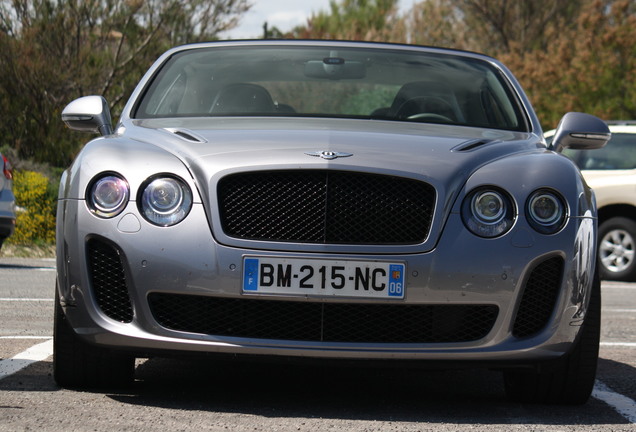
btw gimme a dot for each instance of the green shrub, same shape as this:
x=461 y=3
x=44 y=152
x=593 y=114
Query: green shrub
x=35 y=201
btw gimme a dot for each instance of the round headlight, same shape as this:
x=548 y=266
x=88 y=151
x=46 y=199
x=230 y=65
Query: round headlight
x=165 y=201
x=488 y=212
x=108 y=195
x=546 y=211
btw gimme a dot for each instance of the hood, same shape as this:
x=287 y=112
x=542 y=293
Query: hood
x=431 y=152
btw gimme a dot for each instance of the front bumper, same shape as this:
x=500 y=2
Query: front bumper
x=128 y=285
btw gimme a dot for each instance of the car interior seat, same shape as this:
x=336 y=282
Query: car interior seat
x=239 y=98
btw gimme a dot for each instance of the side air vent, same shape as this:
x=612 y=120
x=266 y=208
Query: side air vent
x=187 y=135
x=471 y=145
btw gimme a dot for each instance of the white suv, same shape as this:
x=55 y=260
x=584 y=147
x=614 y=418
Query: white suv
x=7 y=200
x=611 y=172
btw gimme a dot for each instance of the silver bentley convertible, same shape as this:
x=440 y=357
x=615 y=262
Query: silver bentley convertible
x=329 y=201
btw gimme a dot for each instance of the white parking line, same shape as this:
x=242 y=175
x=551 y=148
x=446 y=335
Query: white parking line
x=11 y=299
x=43 y=269
x=25 y=337
x=36 y=353
x=619 y=285
x=622 y=404
x=618 y=344
x=620 y=310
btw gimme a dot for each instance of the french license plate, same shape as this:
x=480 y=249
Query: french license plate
x=272 y=275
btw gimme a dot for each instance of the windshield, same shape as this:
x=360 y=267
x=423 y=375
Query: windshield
x=340 y=82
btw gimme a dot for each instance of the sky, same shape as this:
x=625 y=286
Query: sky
x=283 y=14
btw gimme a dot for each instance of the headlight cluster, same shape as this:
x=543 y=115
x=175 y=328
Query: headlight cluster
x=163 y=200
x=490 y=212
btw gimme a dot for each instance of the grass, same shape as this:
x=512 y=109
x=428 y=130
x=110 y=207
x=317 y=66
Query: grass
x=27 y=251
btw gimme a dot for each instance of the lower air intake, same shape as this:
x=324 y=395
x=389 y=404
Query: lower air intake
x=108 y=281
x=324 y=322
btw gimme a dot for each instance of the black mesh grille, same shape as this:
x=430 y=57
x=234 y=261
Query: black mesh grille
x=109 y=281
x=539 y=298
x=325 y=207
x=329 y=322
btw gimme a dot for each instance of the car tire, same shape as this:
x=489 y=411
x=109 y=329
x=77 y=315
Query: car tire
x=569 y=380
x=80 y=365
x=617 y=249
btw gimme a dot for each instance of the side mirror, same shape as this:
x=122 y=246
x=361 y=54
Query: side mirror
x=88 y=114
x=580 y=131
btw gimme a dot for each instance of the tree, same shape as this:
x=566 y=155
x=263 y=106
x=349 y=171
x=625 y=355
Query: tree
x=589 y=67
x=433 y=22
x=350 y=19
x=513 y=24
x=54 y=51
x=492 y=26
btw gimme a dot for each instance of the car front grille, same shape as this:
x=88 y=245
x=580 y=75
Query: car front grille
x=321 y=206
x=326 y=322
x=539 y=298
x=108 y=281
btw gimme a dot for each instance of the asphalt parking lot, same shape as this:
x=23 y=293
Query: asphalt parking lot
x=188 y=394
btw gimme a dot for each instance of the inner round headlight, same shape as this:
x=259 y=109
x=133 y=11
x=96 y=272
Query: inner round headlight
x=488 y=207
x=488 y=212
x=108 y=195
x=546 y=211
x=165 y=201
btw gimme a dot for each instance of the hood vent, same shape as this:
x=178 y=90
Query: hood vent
x=187 y=135
x=471 y=145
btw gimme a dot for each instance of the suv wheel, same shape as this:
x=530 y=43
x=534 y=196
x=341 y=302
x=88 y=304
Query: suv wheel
x=617 y=249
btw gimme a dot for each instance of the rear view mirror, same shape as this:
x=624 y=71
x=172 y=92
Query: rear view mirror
x=334 y=68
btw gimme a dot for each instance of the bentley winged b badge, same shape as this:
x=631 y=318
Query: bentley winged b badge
x=328 y=154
